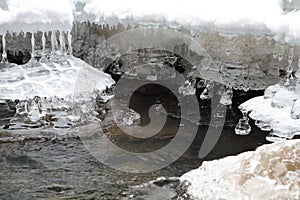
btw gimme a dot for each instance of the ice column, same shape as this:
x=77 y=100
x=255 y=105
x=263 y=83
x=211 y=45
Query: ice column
x=44 y=45
x=53 y=41
x=62 y=42
x=4 y=54
x=70 y=48
x=32 y=47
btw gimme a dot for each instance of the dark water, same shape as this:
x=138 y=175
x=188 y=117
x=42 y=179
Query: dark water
x=61 y=168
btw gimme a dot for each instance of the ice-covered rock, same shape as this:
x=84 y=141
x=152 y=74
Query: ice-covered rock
x=270 y=172
x=278 y=110
x=61 y=76
x=61 y=92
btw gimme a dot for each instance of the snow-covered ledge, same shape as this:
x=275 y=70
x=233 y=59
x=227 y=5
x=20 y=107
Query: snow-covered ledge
x=270 y=172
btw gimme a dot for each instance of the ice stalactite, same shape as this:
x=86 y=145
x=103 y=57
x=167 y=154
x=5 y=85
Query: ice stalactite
x=188 y=88
x=226 y=98
x=275 y=51
x=53 y=42
x=32 y=47
x=280 y=52
x=289 y=79
x=43 y=48
x=70 y=48
x=62 y=43
x=228 y=49
x=208 y=91
x=4 y=54
x=243 y=127
x=297 y=73
x=291 y=54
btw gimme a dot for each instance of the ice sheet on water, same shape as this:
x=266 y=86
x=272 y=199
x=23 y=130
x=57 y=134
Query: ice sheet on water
x=275 y=168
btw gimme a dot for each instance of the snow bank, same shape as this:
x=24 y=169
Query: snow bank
x=232 y=15
x=270 y=172
x=32 y=15
x=239 y=15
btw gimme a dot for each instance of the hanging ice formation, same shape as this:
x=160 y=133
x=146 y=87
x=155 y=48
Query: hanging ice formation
x=243 y=127
x=32 y=48
x=208 y=91
x=44 y=47
x=226 y=97
x=188 y=88
x=278 y=110
x=4 y=54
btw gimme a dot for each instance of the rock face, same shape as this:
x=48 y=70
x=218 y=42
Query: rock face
x=270 y=172
x=243 y=60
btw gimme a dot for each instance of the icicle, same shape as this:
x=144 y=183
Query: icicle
x=289 y=76
x=44 y=58
x=243 y=127
x=228 y=49
x=297 y=74
x=280 y=53
x=44 y=44
x=53 y=42
x=188 y=88
x=32 y=47
x=226 y=98
x=70 y=49
x=275 y=51
x=208 y=91
x=291 y=55
x=62 y=42
x=4 y=54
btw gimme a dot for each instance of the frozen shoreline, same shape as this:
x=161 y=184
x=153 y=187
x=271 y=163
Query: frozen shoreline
x=270 y=172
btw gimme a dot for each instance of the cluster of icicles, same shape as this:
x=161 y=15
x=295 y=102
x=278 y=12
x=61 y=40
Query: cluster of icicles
x=243 y=127
x=65 y=48
x=282 y=97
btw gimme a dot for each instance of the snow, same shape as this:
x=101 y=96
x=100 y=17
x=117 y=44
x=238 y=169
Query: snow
x=33 y=15
x=276 y=111
x=270 y=172
x=238 y=15
x=61 y=77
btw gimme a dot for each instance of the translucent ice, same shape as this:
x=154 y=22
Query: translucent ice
x=226 y=98
x=208 y=91
x=63 y=77
x=243 y=127
x=188 y=88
